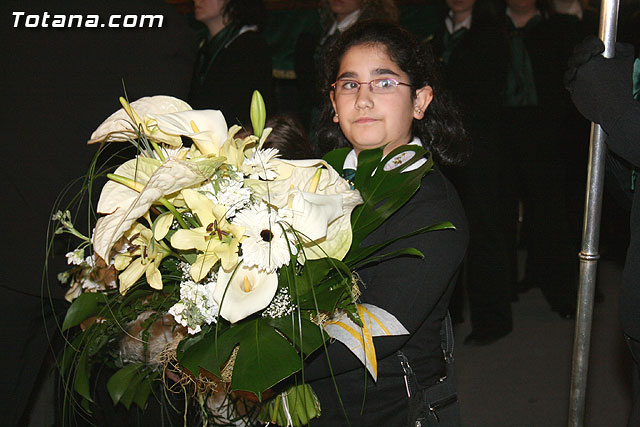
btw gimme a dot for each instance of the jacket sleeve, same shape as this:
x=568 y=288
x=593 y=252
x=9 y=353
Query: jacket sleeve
x=624 y=137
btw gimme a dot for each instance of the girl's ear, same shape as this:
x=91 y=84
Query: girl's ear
x=424 y=96
x=333 y=102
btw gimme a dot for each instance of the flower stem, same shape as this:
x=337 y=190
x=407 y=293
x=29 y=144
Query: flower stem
x=174 y=211
x=158 y=151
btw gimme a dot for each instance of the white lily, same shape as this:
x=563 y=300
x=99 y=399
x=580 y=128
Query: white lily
x=245 y=291
x=143 y=257
x=124 y=123
x=215 y=240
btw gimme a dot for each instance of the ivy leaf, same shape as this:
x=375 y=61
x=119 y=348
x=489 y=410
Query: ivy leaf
x=85 y=306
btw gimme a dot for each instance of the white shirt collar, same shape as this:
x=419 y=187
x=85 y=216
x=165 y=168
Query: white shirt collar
x=452 y=28
x=351 y=161
x=574 y=8
x=344 y=25
x=243 y=30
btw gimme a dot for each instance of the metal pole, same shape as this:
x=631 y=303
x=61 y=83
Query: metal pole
x=590 y=236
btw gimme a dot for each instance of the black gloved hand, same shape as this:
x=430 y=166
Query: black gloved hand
x=600 y=88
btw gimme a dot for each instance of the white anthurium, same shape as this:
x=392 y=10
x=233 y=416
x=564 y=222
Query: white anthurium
x=114 y=195
x=207 y=128
x=245 y=291
x=171 y=177
x=316 y=200
x=376 y=322
x=215 y=240
x=122 y=125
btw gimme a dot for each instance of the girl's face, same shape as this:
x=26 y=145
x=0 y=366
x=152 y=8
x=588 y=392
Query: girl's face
x=342 y=8
x=208 y=10
x=371 y=120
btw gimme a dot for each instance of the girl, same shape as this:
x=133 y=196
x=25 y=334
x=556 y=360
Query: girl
x=381 y=91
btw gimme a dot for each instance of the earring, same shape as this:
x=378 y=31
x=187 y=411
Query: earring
x=418 y=110
x=336 y=116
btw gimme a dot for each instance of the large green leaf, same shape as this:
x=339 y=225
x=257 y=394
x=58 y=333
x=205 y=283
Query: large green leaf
x=134 y=385
x=264 y=356
x=301 y=332
x=120 y=382
x=85 y=306
x=383 y=192
x=202 y=351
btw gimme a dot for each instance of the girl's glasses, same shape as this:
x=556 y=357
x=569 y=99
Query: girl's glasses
x=350 y=87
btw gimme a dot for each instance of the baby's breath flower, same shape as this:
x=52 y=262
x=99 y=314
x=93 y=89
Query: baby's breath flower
x=75 y=257
x=280 y=306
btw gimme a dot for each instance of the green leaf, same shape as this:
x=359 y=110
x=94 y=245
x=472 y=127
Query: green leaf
x=142 y=393
x=264 y=356
x=119 y=382
x=365 y=252
x=336 y=158
x=85 y=306
x=202 y=351
x=130 y=394
x=303 y=334
x=81 y=378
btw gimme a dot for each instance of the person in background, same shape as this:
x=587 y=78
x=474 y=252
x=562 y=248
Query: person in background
x=233 y=61
x=336 y=17
x=606 y=92
x=534 y=106
x=473 y=49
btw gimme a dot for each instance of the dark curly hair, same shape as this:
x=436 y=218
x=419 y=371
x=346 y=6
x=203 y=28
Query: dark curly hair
x=440 y=130
x=245 y=12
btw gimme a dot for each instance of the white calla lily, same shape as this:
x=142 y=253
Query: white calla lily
x=318 y=206
x=243 y=292
x=312 y=213
x=122 y=125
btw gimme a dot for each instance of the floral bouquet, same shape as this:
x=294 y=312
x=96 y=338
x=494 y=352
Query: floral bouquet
x=216 y=268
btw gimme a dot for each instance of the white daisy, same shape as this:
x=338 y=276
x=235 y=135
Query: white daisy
x=265 y=245
x=260 y=165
